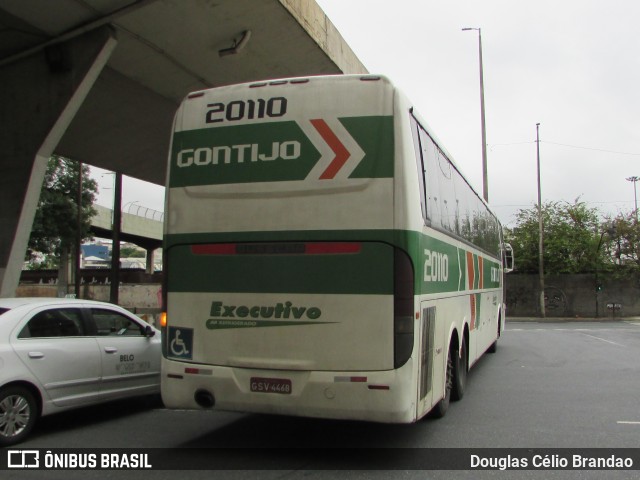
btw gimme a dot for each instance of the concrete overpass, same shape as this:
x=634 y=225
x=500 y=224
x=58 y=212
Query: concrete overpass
x=144 y=232
x=99 y=81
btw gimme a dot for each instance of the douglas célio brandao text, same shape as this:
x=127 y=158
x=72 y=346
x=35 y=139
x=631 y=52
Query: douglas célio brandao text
x=550 y=462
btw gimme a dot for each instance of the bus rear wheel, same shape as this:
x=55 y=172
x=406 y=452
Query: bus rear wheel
x=442 y=406
x=460 y=368
x=494 y=346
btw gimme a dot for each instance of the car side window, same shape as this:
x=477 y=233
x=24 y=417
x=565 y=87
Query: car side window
x=114 y=323
x=57 y=322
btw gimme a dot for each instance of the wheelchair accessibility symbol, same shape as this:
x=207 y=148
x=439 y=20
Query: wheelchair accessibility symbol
x=181 y=342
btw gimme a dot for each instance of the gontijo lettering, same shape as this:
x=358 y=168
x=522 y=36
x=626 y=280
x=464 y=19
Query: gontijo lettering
x=280 y=310
x=228 y=154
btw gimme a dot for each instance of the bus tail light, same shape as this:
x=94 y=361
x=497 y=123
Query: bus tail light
x=403 y=305
x=163 y=332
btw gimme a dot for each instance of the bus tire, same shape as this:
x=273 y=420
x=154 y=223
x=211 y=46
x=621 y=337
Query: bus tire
x=460 y=369
x=442 y=406
x=494 y=346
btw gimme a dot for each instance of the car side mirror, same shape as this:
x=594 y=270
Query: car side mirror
x=149 y=332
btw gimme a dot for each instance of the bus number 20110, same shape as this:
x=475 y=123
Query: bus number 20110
x=246 y=110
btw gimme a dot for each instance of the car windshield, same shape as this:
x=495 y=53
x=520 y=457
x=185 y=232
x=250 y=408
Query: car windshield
x=2 y=310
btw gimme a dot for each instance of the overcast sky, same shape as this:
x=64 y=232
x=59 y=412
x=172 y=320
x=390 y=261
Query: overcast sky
x=571 y=65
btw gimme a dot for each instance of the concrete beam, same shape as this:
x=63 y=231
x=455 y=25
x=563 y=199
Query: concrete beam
x=318 y=26
x=57 y=80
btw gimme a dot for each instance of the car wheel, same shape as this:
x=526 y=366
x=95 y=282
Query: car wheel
x=18 y=414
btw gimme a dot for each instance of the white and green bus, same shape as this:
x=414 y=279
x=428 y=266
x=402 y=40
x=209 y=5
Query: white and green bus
x=324 y=257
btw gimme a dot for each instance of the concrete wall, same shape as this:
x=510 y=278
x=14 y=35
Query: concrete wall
x=566 y=296
x=572 y=295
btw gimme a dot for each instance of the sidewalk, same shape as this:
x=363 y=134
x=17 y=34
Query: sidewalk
x=572 y=319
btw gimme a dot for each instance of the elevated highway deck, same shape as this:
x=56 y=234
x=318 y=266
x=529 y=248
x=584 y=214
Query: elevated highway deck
x=99 y=81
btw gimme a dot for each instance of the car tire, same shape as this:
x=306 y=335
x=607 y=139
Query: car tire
x=18 y=414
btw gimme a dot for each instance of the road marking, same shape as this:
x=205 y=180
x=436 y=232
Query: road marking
x=625 y=422
x=602 y=339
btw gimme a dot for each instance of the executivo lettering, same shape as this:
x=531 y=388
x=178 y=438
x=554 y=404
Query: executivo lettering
x=243 y=316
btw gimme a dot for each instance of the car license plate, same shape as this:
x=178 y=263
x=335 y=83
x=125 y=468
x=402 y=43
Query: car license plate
x=271 y=385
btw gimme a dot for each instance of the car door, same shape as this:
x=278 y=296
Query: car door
x=130 y=357
x=54 y=345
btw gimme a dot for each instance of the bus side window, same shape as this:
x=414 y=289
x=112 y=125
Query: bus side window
x=432 y=177
x=415 y=129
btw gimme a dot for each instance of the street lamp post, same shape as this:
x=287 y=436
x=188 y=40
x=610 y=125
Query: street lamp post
x=540 y=229
x=635 y=179
x=485 y=181
x=611 y=230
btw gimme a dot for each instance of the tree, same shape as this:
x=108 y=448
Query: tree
x=131 y=252
x=55 y=225
x=624 y=245
x=571 y=239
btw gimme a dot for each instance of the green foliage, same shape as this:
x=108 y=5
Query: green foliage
x=131 y=252
x=624 y=245
x=56 y=220
x=571 y=239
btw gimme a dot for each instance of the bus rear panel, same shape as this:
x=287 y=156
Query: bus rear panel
x=324 y=257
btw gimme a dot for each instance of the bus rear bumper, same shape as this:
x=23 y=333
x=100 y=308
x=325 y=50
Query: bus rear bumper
x=368 y=396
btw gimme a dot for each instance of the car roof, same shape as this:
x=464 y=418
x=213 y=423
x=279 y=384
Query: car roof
x=11 y=303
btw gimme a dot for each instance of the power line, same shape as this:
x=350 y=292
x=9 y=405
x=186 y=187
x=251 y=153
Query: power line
x=604 y=150
x=593 y=149
x=581 y=201
x=508 y=144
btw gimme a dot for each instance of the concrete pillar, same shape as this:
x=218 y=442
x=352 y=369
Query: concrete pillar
x=39 y=97
x=150 y=259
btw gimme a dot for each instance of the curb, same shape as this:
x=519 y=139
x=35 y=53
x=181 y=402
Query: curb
x=571 y=319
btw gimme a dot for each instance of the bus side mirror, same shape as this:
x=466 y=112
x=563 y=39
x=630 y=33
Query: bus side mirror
x=507 y=258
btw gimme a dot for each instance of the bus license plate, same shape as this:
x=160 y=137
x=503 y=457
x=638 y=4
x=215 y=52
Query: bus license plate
x=271 y=385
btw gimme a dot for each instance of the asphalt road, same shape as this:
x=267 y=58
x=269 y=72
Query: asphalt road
x=550 y=385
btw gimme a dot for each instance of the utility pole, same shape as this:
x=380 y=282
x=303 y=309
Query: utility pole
x=635 y=179
x=115 y=245
x=78 y=246
x=540 y=228
x=485 y=179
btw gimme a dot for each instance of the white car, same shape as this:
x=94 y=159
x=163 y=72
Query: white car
x=59 y=354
